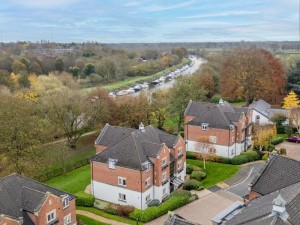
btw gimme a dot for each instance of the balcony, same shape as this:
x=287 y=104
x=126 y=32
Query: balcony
x=164 y=166
x=180 y=170
x=53 y=222
x=180 y=155
x=164 y=182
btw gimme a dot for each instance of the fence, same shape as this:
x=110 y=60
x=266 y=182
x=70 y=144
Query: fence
x=60 y=171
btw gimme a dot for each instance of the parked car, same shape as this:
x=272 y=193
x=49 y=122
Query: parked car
x=293 y=139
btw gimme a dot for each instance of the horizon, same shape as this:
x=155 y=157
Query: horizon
x=113 y=22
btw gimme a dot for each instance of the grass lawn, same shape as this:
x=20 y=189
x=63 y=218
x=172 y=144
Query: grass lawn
x=73 y=181
x=284 y=136
x=215 y=172
x=108 y=216
x=239 y=104
x=88 y=221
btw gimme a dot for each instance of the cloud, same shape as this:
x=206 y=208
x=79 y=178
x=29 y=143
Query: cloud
x=228 y=13
x=157 y=8
x=45 y=4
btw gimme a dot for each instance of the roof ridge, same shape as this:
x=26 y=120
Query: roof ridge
x=188 y=107
x=102 y=132
x=224 y=117
x=138 y=154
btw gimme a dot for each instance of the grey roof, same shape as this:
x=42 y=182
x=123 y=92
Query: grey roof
x=112 y=134
x=260 y=105
x=219 y=116
x=178 y=220
x=279 y=173
x=271 y=112
x=18 y=194
x=133 y=150
x=259 y=210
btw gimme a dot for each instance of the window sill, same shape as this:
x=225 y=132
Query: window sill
x=164 y=182
x=164 y=166
x=66 y=207
x=120 y=200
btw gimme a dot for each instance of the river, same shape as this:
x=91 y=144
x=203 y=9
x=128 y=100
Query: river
x=169 y=83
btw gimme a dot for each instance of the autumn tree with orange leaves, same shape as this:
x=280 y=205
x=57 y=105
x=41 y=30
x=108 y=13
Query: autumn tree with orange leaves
x=251 y=74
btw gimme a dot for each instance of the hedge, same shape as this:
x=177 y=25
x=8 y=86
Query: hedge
x=192 y=185
x=176 y=200
x=198 y=175
x=244 y=157
x=84 y=199
x=154 y=202
x=191 y=168
x=277 y=140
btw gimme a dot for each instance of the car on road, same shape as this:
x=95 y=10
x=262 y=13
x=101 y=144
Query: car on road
x=293 y=139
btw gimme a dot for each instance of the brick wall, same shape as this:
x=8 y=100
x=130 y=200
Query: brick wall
x=252 y=195
x=158 y=171
x=53 y=202
x=102 y=173
x=100 y=148
x=180 y=144
x=8 y=221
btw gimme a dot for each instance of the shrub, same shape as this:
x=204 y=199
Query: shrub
x=239 y=159
x=196 y=175
x=277 y=140
x=271 y=148
x=84 y=199
x=193 y=197
x=252 y=155
x=189 y=169
x=282 y=151
x=154 y=202
x=215 y=99
x=192 y=185
x=280 y=129
x=176 y=200
x=190 y=155
x=124 y=210
x=265 y=157
x=111 y=209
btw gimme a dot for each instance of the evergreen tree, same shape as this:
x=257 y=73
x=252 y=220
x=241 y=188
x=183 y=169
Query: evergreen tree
x=290 y=101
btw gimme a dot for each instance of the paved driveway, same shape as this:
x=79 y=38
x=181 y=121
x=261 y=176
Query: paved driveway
x=292 y=149
x=205 y=208
x=242 y=187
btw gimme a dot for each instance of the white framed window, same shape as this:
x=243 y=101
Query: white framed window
x=148 y=198
x=122 y=197
x=257 y=117
x=164 y=161
x=180 y=151
x=179 y=165
x=164 y=176
x=112 y=163
x=51 y=216
x=147 y=182
x=213 y=139
x=66 y=201
x=232 y=152
x=147 y=166
x=122 y=181
x=212 y=151
x=67 y=219
x=204 y=126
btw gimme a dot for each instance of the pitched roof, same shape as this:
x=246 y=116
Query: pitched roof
x=134 y=149
x=279 y=173
x=217 y=116
x=112 y=134
x=259 y=210
x=178 y=220
x=260 y=105
x=18 y=194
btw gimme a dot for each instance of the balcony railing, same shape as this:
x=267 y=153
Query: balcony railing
x=180 y=170
x=165 y=181
x=53 y=222
x=180 y=155
x=165 y=166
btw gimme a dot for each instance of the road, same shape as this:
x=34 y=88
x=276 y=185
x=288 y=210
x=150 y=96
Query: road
x=248 y=173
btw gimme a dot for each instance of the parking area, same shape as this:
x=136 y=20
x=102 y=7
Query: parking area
x=205 y=208
x=292 y=149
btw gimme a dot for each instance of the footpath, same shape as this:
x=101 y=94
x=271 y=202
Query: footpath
x=98 y=218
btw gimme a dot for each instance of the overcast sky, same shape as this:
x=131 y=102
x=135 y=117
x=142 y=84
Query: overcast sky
x=113 y=21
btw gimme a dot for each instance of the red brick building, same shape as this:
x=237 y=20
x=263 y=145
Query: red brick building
x=133 y=167
x=227 y=128
x=27 y=202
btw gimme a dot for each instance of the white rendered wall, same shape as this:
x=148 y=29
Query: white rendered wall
x=110 y=193
x=263 y=119
x=221 y=150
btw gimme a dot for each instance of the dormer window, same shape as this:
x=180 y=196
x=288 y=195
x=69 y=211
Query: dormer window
x=66 y=201
x=112 y=163
x=204 y=126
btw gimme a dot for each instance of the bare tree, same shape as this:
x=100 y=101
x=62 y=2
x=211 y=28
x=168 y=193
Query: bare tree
x=204 y=146
x=294 y=118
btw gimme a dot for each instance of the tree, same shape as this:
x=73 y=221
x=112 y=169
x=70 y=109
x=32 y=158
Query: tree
x=278 y=118
x=203 y=146
x=159 y=108
x=290 y=101
x=251 y=74
x=263 y=135
x=23 y=80
x=21 y=131
x=18 y=67
x=294 y=118
x=74 y=114
x=184 y=90
x=59 y=64
x=88 y=69
x=74 y=70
